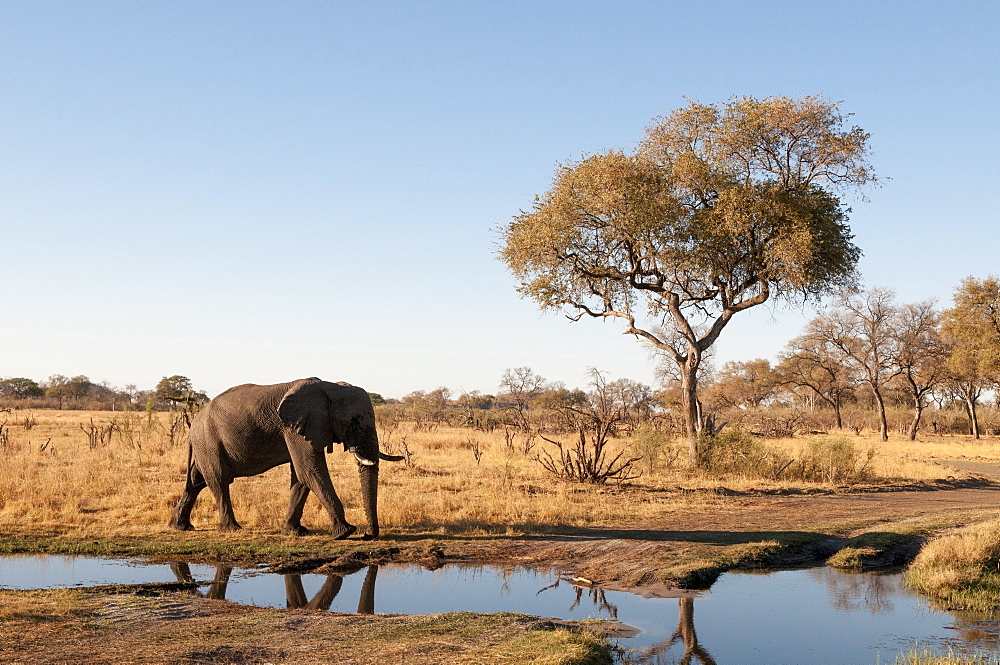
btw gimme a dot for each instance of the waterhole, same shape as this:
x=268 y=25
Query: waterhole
x=815 y=615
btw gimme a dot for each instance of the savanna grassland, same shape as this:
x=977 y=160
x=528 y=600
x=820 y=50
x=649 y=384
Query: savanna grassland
x=105 y=483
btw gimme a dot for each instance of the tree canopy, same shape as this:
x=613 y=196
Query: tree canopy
x=971 y=329
x=719 y=209
x=20 y=388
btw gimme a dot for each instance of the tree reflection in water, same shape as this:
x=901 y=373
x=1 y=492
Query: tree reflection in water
x=656 y=654
x=597 y=597
x=685 y=634
x=295 y=594
x=596 y=594
x=851 y=592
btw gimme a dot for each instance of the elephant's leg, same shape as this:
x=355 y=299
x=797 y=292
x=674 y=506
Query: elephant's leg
x=366 y=603
x=296 y=502
x=324 y=597
x=227 y=519
x=195 y=483
x=182 y=571
x=295 y=594
x=311 y=469
x=217 y=590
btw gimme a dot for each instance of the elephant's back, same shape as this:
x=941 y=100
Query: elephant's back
x=244 y=408
x=240 y=430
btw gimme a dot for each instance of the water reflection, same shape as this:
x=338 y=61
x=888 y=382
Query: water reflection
x=295 y=593
x=734 y=617
x=216 y=590
x=656 y=654
x=851 y=593
x=685 y=633
x=597 y=598
x=833 y=618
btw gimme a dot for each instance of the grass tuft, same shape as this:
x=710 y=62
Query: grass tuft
x=927 y=657
x=961 y=569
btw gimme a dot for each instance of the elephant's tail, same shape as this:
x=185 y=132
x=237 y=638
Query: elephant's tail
x=189 y=479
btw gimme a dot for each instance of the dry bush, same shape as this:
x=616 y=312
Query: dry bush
x=835 y=461
x=735 y=452
x=658 y=449
x=52 y=476
x=588 y=459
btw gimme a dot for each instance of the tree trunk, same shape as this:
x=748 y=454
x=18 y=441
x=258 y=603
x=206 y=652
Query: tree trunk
x=970 y=407
x=883 y=424
x=689 y=400
x=918 y=403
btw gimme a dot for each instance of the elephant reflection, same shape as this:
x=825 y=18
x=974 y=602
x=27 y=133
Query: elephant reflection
x=216 y=590
x=295 y=595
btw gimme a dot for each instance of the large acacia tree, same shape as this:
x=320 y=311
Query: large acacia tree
x=719 y=209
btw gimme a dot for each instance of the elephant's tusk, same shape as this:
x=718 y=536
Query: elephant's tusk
x=390 y=458
x=362 y=460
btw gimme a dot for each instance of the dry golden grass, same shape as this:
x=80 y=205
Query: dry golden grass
x=40 y=603
x=927 y=657
x=53 y=479
x=960 y=568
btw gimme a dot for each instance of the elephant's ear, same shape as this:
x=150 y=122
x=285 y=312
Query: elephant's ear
x=306 y=409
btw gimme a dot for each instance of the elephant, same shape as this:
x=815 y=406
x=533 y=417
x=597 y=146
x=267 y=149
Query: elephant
x=251 y=428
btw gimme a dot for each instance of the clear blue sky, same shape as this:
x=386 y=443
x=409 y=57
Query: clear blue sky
x=255 y=192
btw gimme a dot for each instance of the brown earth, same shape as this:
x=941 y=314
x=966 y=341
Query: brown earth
x=808 y=528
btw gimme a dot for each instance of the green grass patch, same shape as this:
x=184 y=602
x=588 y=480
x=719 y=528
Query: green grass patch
x=876 y=549
x=204 y=547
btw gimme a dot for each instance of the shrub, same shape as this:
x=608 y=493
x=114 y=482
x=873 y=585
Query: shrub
x=734 y=451
x=960 y=568
x=655 y=448
x=833 y=461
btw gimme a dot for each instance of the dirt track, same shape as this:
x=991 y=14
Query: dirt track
x=641 y=553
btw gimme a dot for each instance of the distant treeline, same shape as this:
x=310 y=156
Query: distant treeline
x=79 y=392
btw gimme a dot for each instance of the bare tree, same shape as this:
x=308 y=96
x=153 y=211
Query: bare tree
x=521 y=385
x=635 y=399
x=815 y=363
x=862 y=327
x=921 y=355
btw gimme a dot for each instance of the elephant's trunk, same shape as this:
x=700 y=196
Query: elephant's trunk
x=369 y=495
